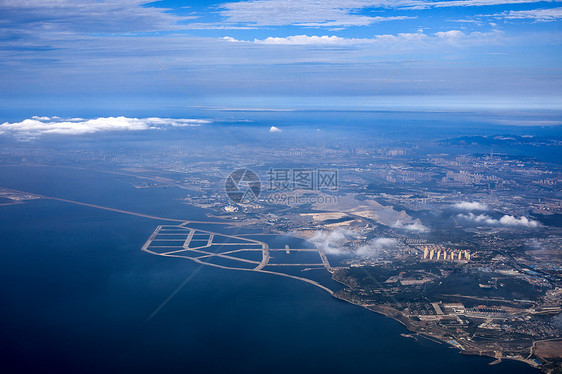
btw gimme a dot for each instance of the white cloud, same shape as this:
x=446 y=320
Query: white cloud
x=415 y=226
x=474 y=205
x=37 y=126
x=304 y=40
x=332 y=242
x=231 y=39
x=538 y=15
x=450 y=34
x=398 y=41
x=506 y=220
x=376 y=246
x=481 y=218
x=274 y=129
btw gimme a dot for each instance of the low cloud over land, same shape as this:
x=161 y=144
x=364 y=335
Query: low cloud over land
x=332 y=242
x=375 y=246
x=415 y=226
x=474 y=205
x=506 y=220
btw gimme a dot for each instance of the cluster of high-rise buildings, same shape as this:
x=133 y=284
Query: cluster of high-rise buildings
x=440 y=253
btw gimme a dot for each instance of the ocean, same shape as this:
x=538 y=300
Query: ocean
x=76 y=292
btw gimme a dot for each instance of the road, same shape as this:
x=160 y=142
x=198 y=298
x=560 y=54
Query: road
x=183 y=224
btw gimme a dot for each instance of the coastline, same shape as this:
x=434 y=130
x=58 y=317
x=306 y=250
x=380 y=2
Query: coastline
x=400 y=318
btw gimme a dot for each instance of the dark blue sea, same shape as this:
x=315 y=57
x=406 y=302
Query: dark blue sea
x=76 y=292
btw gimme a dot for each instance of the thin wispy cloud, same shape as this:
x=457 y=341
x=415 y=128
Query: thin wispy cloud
x=375 y=247
x=302 y=13
x=468 y=3
x=537 y=15
x=332 y=13
x=87 y=16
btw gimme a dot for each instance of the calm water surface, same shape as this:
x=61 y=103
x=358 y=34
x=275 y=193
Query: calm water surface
x=76 y=292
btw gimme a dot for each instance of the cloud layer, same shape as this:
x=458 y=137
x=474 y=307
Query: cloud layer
x=100 y=47
x=37 y=126
x=507 y=220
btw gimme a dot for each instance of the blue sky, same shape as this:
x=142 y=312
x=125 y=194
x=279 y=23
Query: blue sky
x=281 y=52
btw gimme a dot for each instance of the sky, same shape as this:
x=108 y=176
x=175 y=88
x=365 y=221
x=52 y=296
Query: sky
x=62 y=54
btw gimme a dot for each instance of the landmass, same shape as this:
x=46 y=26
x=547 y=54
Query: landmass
x=460 y=246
